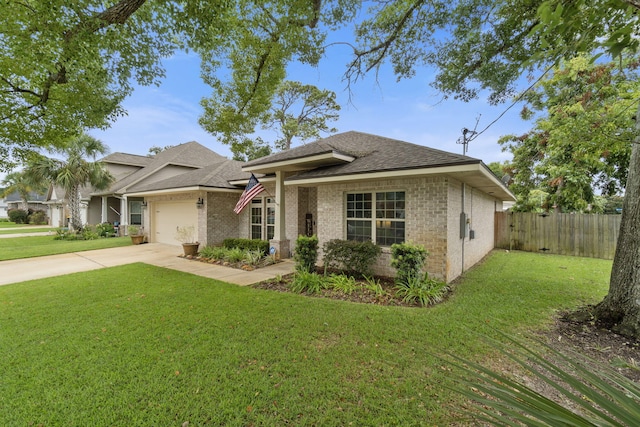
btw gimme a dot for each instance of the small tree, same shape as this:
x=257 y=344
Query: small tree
x=74 y=172
x=19 y=182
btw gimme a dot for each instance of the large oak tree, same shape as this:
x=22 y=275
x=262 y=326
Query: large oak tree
x=67 y=66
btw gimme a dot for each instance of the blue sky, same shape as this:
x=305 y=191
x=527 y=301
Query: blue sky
x=408 y=110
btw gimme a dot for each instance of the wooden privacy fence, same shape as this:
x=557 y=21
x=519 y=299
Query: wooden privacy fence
x=586 y=235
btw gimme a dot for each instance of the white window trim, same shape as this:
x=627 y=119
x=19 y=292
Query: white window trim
x=264 y=206
x=373 y=218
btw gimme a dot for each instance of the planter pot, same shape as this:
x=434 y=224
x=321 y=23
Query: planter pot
x=136 y=240
x=190 y=249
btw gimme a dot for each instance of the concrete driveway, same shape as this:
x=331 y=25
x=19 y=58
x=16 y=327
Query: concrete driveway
x=158 y=254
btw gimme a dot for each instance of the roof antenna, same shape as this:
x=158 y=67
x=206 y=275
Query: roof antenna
x=468 y=136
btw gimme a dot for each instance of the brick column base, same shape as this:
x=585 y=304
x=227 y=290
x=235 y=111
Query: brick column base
x=281 y=247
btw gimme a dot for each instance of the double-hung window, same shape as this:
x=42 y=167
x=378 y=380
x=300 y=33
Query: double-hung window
x=378 y=217
x=135 y=212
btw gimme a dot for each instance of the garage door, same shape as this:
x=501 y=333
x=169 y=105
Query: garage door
x=170 y=215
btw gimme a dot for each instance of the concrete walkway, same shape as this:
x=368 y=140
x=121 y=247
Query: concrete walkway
x=161 y=255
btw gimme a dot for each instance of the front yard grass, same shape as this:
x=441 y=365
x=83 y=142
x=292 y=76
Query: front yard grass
x=34 y=246
x=26 y=230
x=142 y=345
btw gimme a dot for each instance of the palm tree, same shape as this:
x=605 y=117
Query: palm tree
x=19 y=182
x=74 y=172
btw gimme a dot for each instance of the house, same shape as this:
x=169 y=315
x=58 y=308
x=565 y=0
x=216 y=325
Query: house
x=116 y=204
x=351 y=185
x=35 y=201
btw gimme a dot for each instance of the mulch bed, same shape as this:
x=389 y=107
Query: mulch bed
x=361 y=294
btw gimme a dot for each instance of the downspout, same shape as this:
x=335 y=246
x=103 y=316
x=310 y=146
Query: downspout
x=463 y=221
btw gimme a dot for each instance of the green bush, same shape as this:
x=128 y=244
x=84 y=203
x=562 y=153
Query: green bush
x=408 y=259
x=306 y=253
x=89 y=233
x=357 y=258
x=253 y=258
x=19 y=216
x=37 y=217
x=247 y=244
x=105 y=229
x=342 y=283
x=304 y=281
x=234 y=255
x=422 y=289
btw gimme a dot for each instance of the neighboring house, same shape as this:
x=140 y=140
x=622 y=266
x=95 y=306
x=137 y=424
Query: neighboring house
x=35 y=201
x=348 y=186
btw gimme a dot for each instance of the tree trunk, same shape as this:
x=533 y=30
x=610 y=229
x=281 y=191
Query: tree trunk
x=74 y=207
x=620 y=309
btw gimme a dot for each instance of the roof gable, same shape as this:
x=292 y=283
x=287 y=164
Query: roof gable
x=190 y=155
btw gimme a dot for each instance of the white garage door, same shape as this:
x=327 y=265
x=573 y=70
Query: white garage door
x=170 y=215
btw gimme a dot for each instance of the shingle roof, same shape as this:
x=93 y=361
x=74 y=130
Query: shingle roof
x=127 y=159
x=190 y=155
x=372 y=153
x=216 y=175
x=33 y=197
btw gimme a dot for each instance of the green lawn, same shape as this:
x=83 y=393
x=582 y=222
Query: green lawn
x=34 y=246
x=4 y=230
x=139 y=345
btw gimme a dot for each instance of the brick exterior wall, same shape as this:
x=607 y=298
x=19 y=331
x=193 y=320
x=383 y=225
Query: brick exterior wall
x=425 y=217
x=220 y=220
x=480 y=208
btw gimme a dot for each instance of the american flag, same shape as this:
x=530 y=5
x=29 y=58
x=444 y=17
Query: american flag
x=252 y=189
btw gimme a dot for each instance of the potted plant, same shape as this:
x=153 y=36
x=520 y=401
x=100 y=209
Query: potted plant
x=186 y=235
x=137 y=234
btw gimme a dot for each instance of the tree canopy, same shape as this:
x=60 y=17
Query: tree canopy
x=297 y=111
x=79 y=168
x=580 y=143
x=66 y=67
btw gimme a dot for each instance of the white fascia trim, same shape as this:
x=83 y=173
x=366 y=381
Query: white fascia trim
x=246 y=181
x=300 y=160
x=183 y=190
x=387 y=174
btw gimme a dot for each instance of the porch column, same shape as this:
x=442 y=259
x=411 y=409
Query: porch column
x=104 y=213
x=279 y=241
x=124 y=215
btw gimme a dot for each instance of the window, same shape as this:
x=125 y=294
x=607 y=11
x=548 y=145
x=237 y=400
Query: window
x=263 y=218
x=135 y=212
x=386 y=226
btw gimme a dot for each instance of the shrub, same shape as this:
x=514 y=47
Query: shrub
x=89 y=233
x=421 y=289
x=234 y=255
x=207 y=252
x=306 y=253
x=64 y=233
x=19 y=216
x=342 y=283
x=105 y=229
x=37 y=217
x=351 y=256
x=253 y=258
x=247 y=244
x=408 y=259
x=269 y=260
x=373 y=284
x=304 y=281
